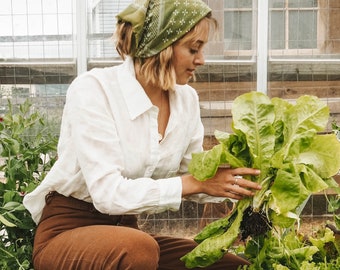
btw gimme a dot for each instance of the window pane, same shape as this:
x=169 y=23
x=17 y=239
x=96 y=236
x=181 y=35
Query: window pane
x=51 y=49
x=18 y=7
x=102 y=23
x=237 y=3
x=6 y=7
x=49 y=6
x=35 y=24
x=64 y=6
x=66 y=49
x=8 y=30
x=302 y=3
x=276 y=3
x=302 y=29
x=20 y=25
x=50 y=26
x=34 y=7
x=21 y=50
x=6 y=50
x=65 y=24
x=277 y=30
x=238 y=30
x=36 y=49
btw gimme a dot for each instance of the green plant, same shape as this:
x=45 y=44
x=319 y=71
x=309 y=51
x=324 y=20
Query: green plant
x=27 y=152
x=333 y=206
x=283 y=141
x=292 y=251
x=334 y=200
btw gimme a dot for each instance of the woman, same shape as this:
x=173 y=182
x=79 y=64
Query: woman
x=126 y=139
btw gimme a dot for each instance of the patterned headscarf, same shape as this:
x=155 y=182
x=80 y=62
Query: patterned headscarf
x=159 y=23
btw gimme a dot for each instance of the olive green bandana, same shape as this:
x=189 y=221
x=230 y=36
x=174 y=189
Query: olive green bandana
x=159 y=23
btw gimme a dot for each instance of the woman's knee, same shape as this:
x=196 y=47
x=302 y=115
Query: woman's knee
x=101 y=247
x=140 y=251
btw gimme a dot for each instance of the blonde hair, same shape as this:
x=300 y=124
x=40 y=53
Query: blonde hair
x=158 y=69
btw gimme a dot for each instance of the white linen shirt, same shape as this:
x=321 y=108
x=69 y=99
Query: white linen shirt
x=108 y=149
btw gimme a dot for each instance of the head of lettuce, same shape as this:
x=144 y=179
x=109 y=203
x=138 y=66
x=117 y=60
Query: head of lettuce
x=281 y=139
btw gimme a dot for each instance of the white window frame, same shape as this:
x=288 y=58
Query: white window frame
x=293 y=52
x=247 y=53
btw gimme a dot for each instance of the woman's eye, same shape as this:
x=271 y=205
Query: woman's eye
x=193 y=51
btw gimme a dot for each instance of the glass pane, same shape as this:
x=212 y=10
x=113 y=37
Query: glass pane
x=35 y=24
x=51 y=49
x=6 y=50
x=102 y=21
x=276 y=3
x=18 y=7
x=20 y=25
x=21 y=50
x=36 y=49
x=302 y=29
x=277 y=30
x=66 y=49
x=50 y=24
x=49 y=6
x=34 y=7
x=6 y=7
x=302 y=3
x=64 y=6
x=65 y=24
x=238 y=30
x=8 y=30
x=237 y=3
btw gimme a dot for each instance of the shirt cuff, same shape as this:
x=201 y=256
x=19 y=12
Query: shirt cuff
x=204 y=198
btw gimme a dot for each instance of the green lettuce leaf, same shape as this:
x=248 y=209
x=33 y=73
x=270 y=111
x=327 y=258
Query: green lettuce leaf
x=205 y=164
x=214 y=247
x=320 y=154
x=287 y=191
x=253 y=114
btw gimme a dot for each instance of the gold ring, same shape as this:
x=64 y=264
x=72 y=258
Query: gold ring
x=236 y=177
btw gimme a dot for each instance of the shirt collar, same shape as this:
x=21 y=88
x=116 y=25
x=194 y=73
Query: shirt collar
x=136 y=100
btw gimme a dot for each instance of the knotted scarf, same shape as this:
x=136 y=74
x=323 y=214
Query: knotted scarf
x=157 y=24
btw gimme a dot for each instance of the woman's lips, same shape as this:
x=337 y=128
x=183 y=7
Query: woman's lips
x=191 y=72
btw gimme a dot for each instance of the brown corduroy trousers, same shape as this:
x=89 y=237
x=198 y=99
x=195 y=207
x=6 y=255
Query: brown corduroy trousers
x=73 y=235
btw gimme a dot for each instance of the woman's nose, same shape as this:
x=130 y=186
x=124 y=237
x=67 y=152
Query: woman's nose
x=199 y=60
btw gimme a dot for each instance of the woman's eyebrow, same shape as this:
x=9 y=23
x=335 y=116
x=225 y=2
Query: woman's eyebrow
x=198 y=42
x=201 y=43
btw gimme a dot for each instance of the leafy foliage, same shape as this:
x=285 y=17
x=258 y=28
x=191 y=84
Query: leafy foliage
x=289 y=251
x=334 y=201
x=27 y=152
x=283 y=141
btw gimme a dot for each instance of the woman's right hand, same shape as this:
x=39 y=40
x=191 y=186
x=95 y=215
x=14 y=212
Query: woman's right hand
x=227 y=183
